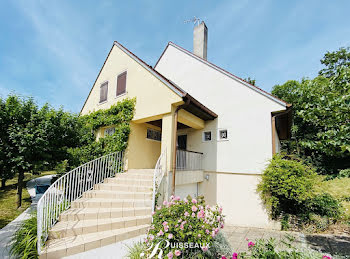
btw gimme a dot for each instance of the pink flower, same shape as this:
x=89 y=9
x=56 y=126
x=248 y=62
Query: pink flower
x=251 y=244
x=213 y=234
x=194 y=201
x=158 y=208
x=200 y=214
x=185 y=200
x=170 y=236
x=216 y=230
x=165 y=203
x=187 y=214
x=326 y=257
x=160 y=233
x=220 y=209
x=171 y=197
x=177 y=198
x=151 y=237
x=194 y=208
x=222 y=225
x=207 y=231
x=234 y=256
x=193 y=214
x=153 y=213
x=176 y=225
x=165 y=223
x=179 y=220
x=223 y=257
x=166 y=228
x=170 y=255
x=205 y=248
x=177 y=253
x=199 y=235
x=190 y=226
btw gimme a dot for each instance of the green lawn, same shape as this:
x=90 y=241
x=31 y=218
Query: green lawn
x=8 y=210
x=339 y=189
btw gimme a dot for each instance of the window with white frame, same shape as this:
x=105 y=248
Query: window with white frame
x=207 y=136
x=222 y=134
x=154 y=134
x=109 y=131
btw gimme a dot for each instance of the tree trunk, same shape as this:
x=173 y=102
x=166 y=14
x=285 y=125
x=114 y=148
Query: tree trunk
x=19 y=189
x=3 y=184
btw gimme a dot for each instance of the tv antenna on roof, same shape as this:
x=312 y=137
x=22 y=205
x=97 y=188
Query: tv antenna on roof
x=194 y=20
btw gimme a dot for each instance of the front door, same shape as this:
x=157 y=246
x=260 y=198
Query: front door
x=182 y=142
x=181 y=155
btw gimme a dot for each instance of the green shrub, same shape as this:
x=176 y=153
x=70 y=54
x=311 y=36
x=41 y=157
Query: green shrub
x=324 y=205
x=135 y=250
x=344 y=173
x=271 y=249
x=25 y=240
x=186 y=221
x=119 y=116
x=286 y=184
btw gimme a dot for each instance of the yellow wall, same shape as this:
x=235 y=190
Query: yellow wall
x=153 y=97
x=142 y=152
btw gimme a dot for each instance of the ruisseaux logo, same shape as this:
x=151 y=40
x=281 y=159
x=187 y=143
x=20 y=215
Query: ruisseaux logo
x=157 y=249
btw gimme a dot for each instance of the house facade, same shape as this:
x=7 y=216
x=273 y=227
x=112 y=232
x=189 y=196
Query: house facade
x=216 y=130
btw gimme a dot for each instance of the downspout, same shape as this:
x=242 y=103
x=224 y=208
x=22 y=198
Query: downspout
x=174 y=139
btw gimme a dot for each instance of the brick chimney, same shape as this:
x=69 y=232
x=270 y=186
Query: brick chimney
x=200 y=40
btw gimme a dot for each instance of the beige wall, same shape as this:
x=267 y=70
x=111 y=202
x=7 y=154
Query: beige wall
x=237 y=194
x=153 y=97
x=142 y=152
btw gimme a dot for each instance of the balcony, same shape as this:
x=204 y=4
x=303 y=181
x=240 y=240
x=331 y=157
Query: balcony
x=187 y=160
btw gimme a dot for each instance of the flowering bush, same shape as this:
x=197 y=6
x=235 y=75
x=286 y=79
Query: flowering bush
x=267 y=249
x=188 y=226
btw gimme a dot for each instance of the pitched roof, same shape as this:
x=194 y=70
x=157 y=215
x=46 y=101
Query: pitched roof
x=183 y=94
x=253 y=87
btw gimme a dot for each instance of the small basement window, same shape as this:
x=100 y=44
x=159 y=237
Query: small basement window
x=109 y=131
x=154 y=134
x=222 y=134
x=121 y=84
x=103 y=92
x=207 y=136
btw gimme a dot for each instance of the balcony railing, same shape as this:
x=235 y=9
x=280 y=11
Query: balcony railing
x=187 y=160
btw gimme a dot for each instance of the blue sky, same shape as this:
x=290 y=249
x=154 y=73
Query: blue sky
x=53 y=50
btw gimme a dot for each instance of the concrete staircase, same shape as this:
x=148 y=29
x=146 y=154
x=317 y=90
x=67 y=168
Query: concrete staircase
x=118 y=209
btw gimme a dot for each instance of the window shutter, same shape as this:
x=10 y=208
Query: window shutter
x=103 y=92
x=121 y=84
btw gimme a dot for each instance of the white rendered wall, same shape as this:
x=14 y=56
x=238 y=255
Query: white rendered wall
x=244 y=112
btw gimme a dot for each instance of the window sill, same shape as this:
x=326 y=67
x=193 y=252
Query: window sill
x=121 y=95
x=100 y=103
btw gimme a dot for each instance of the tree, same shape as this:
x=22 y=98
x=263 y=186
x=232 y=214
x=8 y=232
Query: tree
x=334 y=60
x=321 y=130
x=5 y=167
x=33 y=139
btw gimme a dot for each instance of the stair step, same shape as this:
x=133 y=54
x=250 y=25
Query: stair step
x=117 y=194
x=75 y=228
x=135 y=176
x=123 y=187
x=140 y=171
x=102 y=213
x=59 y=248
x=130 y=181
x=110 y=203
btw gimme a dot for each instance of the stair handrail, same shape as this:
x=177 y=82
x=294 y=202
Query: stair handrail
x=70 y=187
x=159 y=172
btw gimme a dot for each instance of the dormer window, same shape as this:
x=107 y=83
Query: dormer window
x=103 y=92
x=121 y=84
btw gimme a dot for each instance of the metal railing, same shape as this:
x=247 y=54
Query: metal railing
x=159 y=172
x=188 y=160
x=70 y=187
